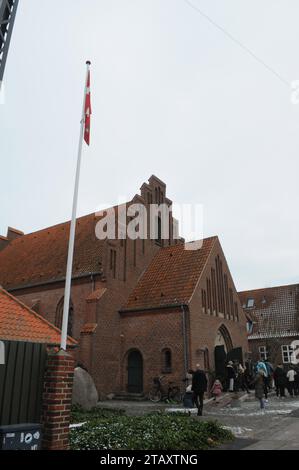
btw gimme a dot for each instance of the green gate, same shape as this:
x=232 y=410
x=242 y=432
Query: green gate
x=21 y=382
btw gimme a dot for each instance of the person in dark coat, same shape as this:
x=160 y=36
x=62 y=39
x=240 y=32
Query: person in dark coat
x=242 y=379
x=199 y=387
x=280 y=380
x=231 y=376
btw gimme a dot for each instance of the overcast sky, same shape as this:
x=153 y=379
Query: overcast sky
x=173 y=95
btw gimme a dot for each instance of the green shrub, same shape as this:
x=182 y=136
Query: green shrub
x=78 y=415
x=150 y=432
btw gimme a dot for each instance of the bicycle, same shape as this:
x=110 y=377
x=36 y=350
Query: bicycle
x=158 y=393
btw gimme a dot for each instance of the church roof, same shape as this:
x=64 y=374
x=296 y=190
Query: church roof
x=171 y=277
x=19 y=323
x=274 y=311
x=41 y=256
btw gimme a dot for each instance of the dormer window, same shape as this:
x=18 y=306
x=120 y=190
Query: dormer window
x=250 y=303
x=249 y=326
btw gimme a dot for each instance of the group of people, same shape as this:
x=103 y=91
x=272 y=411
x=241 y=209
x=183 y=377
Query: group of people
x=238 y=377
x=263 y=377
x=280 y=378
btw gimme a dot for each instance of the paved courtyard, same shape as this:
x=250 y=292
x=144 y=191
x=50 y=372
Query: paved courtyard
x=277 y=428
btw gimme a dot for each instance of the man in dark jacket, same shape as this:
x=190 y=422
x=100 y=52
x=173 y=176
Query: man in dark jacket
x=199 y=387
x=280 y=379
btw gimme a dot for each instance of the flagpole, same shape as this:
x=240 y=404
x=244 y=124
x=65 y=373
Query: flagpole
x=69 y=269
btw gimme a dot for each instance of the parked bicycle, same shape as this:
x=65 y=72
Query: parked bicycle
x=160 y=393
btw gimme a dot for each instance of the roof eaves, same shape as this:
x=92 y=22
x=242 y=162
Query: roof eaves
x=157 y=307
x=52 y=281
x=283 y=334
x=14 y=299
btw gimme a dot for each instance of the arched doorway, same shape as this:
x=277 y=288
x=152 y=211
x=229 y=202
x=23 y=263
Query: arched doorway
x=135 y=372
x=223 y=339
x=223 y=346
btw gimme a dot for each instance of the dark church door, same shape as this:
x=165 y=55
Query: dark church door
x=220 y=361
x=235 y=354
x=135 y=372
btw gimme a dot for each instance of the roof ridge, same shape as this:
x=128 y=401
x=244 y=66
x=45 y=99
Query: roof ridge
x=283 y=286
x=91 y=214
x=24 y=306
x=180 y=245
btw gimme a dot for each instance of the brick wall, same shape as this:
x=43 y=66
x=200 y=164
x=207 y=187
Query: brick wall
x=204 y=324
x=57 y=400
x=273 y=346
x=50 y=296
x=150 y=333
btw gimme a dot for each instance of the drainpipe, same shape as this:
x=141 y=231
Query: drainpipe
x=92 y=282
x=184 y=327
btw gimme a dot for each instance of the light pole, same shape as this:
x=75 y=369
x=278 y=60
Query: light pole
x=8 y=10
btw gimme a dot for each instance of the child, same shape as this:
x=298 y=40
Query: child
x=217 y=390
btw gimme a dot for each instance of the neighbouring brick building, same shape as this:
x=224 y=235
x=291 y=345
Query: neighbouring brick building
x=138 y=307
x=274 y=315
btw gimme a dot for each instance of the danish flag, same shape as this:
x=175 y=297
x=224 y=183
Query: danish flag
x=87 y=111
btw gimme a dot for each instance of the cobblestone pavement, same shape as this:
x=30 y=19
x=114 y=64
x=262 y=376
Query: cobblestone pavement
x=276 y=428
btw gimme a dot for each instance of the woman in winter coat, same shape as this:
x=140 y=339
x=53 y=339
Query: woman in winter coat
x=259 y=388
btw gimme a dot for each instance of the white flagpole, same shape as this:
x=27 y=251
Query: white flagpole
x=69 y=269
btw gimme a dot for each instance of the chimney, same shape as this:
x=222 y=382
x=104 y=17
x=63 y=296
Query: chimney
x=13 y=233
x=3 y=242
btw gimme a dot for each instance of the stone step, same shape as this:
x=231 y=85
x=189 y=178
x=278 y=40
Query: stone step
x=125 y=396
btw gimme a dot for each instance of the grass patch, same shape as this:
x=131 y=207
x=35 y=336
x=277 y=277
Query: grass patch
x=149 y=432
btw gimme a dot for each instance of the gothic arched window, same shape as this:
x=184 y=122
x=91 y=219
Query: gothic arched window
x=59 y=315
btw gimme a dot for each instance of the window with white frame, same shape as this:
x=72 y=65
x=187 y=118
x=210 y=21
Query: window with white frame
x=287 y=351
x=263 y=353
x=250 y=303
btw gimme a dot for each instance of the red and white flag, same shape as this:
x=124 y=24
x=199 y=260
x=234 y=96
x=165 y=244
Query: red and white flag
x=87 y=111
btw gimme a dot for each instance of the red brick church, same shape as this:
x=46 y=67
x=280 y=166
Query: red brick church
x=139 y=308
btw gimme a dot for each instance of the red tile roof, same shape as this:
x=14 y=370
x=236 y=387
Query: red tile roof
x=96 y=295
x=171 y=277
x=89 y=328
x=19 y=323
x=275 y=312
x=41 y=256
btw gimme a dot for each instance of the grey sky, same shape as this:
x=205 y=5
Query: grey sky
x=172 y=95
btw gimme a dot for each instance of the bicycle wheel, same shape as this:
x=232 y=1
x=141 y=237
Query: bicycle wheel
x=155 y=395
x=176 y=395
